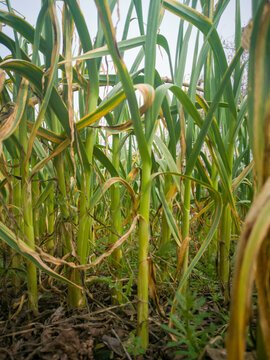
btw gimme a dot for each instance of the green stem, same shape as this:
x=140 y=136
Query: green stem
x=66 y=230
x=142 y=315
x=165 y=229
x=116 y=218
x=225 y=229
x=35 y=196
x=16 y=258
x=29 y=234
x=85 y=235
x=213 y=246
x=185 y=227
x=28 y=219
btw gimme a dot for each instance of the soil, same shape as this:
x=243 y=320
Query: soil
x=99 y=331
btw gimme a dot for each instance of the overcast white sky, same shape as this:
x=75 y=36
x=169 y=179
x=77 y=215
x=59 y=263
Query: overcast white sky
x=169 y=27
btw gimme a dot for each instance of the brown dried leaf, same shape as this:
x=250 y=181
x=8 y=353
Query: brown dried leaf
x=181 y=254
x=132 y=175
x=153 y=287
x=246 y=33
x=148 y=94
x=42 y=256
x=6 y=120
x=2 y=79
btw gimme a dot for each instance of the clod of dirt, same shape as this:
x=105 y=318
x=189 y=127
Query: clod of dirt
x=65 y=346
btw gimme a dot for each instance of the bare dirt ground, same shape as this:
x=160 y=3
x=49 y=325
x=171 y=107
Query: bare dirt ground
x=100 y=331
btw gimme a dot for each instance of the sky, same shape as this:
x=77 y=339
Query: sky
x=169 y=27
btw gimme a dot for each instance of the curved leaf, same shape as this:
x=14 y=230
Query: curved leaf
x=25 y=250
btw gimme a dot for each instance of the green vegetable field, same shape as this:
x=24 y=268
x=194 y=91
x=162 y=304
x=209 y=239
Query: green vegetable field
x=134 y=207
